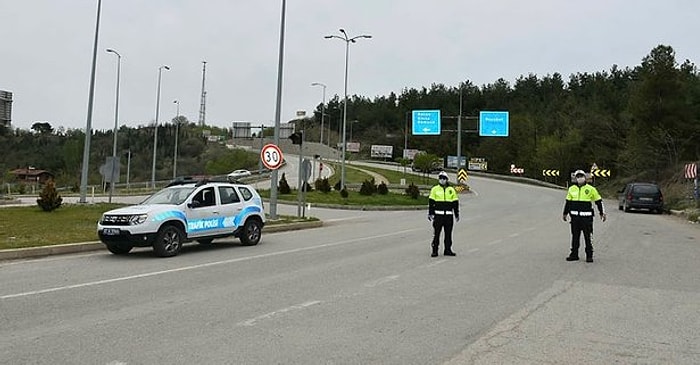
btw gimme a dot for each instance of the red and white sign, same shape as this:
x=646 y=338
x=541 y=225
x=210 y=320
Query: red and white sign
x=271 y=156
x=691 y=170
x=516 y=170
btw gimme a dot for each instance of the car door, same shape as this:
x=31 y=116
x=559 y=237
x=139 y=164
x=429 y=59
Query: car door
x=204 y=216
x=232 y=206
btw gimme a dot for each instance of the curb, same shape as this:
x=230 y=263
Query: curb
x=42 y=251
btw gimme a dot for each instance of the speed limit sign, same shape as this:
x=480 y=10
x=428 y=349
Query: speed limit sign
x=271 y=156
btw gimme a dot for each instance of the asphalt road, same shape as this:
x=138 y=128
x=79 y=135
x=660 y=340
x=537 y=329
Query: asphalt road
x=363 y=290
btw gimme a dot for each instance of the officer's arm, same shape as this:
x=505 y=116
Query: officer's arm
x=599 y=204
x=567 y=206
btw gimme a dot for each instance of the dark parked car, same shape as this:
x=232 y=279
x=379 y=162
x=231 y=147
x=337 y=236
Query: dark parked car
x=641 y=196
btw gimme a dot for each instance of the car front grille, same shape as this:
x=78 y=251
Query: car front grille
x=116 y=220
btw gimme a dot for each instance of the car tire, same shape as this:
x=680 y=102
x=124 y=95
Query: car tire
x=168 y=241
x=119 y=248
x=619 y=207
x=206 y=241
x=252 y=231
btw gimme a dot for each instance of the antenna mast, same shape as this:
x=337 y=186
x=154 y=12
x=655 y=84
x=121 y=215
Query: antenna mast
x=203 y=102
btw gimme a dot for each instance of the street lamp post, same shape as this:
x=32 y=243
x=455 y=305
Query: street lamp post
x=155 y=127
x=115 y=160
x=278 y=111
x=323 y=106
x=347 y=41
x=177 y=133
x=128 y=168
x=88 y=126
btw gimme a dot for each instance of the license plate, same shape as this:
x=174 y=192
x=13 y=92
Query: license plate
x=646 y=199
x=111 y=231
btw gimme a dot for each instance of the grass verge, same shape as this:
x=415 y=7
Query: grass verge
x=354 y=198
x=71 y=223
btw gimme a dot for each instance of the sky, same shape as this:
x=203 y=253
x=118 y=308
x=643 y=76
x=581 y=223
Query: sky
x=47 y=45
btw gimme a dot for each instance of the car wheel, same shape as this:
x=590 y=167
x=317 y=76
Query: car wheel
x=207 y=241
x=252 y=230
x=119 y=248
x=168 y=241
x=619 y=207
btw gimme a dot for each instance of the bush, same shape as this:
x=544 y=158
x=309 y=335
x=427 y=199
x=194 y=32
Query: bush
x=337 y=186
x=323 y=185
x=412 y=191
x=368 y=187
x=344 y=193
x=49 y=199
x=284 y=186
x=382 y=189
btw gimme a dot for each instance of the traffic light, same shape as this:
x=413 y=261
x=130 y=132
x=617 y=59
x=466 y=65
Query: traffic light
x=296 y=138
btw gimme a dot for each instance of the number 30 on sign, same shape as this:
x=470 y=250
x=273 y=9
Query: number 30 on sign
x=271 y=156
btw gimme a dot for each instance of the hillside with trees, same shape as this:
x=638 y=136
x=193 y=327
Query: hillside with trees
x=638 y=122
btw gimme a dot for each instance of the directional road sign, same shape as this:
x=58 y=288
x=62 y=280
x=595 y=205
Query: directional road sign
x=601 y=173
x=550 y=172
x=493 y=124
x=426 y=122
x=462 y=175
x=271 y=156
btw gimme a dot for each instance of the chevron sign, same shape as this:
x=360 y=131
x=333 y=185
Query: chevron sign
x=462 y=175
x=601 y=173
x=550 y=172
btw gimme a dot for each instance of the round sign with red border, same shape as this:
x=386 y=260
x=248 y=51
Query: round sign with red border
x=271 y=156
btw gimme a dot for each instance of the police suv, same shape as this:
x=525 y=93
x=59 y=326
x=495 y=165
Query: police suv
x=185 y=211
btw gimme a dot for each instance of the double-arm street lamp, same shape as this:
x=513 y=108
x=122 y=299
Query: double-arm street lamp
x=115 y=159
x=347 y=41
x=177 y=134
x=155 y=127
x=323 y=105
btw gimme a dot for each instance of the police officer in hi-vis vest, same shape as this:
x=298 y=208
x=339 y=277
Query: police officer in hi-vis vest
x=443 y=205
x=578 y=206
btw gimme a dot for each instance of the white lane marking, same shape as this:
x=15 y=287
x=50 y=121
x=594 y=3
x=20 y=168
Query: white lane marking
x=251 y=322
x=434 y=263
x=495 y=242
x=199 y=266
x=116 y=362
x=380 y=281
x=514 y=235
x=473 y=250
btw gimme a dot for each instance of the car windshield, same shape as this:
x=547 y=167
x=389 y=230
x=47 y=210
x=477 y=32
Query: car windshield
x=174 y=195
x=646 y=189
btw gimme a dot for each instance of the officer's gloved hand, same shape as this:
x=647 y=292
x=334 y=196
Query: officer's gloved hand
x=457 y=218
x=430 y=217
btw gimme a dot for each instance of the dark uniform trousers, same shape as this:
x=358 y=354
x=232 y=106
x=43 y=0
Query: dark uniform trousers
x=441 y=221
x=581 y=225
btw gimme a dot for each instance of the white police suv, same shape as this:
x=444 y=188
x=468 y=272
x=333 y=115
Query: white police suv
x=185 y=211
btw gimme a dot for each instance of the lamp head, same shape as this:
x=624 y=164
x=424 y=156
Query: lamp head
x=328 y=36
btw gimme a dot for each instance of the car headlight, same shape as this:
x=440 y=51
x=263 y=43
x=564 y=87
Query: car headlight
x=138 y=219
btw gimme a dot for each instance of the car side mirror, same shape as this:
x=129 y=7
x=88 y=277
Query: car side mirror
x=194 y=204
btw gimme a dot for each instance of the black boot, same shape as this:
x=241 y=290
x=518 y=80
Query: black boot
x=572 y=258
x=435 y=252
